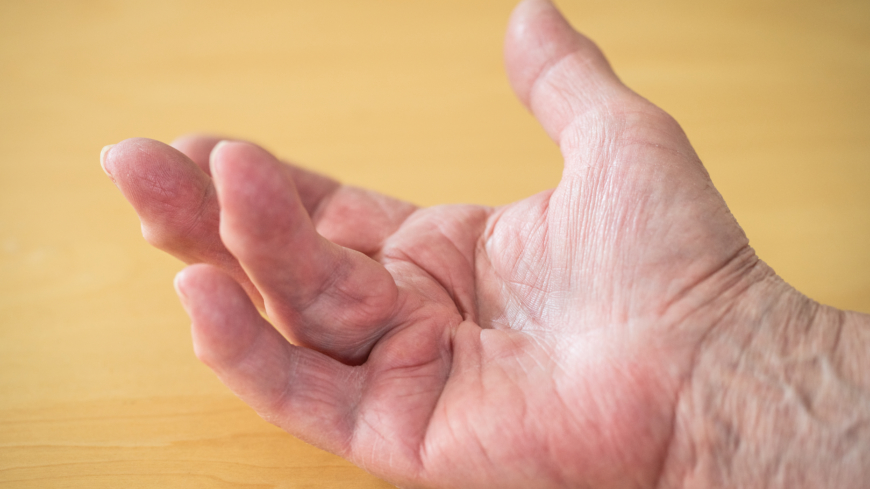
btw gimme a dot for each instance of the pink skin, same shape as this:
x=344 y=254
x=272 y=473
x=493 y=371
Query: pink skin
x=539 y=344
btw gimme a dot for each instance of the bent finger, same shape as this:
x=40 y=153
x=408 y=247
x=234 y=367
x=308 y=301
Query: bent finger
x=321 y=295
x=313 y=187
x=175 y=201
x=302 y=391
x=351 y=217
x=197 y=147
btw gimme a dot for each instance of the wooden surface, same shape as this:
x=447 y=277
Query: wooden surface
x=98 y=384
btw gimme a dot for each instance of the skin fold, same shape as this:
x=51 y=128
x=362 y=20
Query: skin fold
x=615 y=331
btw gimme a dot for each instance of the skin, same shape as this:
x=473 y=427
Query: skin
x=616 y=331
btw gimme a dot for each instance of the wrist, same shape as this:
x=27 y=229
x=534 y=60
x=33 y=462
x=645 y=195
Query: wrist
x=779 y=396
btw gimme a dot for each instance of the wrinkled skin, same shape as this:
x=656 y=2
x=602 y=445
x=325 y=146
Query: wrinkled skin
x=545 y=343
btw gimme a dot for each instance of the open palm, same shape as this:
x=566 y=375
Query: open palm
x=544 y=343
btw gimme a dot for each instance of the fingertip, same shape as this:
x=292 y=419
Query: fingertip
x=530 y=10
x=238 y=154
x=537 y=34
x=224 y=320
x=257 y=197
x=192 y=284
x=538 y=20
x=214 y=159
x=180 y=285
x=133 y=156
x=201 y=279
x=128 y=159
x=114 y=157
x=558 y=73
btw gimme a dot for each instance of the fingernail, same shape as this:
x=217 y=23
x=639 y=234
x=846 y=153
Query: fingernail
x=103 y=153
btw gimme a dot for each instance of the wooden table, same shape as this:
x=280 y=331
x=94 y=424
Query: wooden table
x=98 y=384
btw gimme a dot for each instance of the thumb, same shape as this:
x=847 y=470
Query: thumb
x=558 y=73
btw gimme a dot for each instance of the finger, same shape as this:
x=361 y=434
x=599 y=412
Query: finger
x=360 y=219
x=320 y=294
x=197 y=147
x=178 y=207
x=313 y=188
x=558 y=73
x=174 y=199
x=300 y=390
x=351 y=217
x=176 y=203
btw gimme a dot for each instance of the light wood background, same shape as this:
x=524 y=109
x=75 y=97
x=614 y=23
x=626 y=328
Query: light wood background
x=98 y=383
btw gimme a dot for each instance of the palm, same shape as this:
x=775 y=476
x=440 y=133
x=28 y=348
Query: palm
x=529 y=345
x=556 y=343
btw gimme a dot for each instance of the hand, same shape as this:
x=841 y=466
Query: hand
x=546 y=343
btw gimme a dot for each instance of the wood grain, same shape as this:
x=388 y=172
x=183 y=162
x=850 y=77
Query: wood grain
x=98 y=385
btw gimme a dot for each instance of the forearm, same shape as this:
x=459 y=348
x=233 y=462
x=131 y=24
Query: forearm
x=779 y=397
